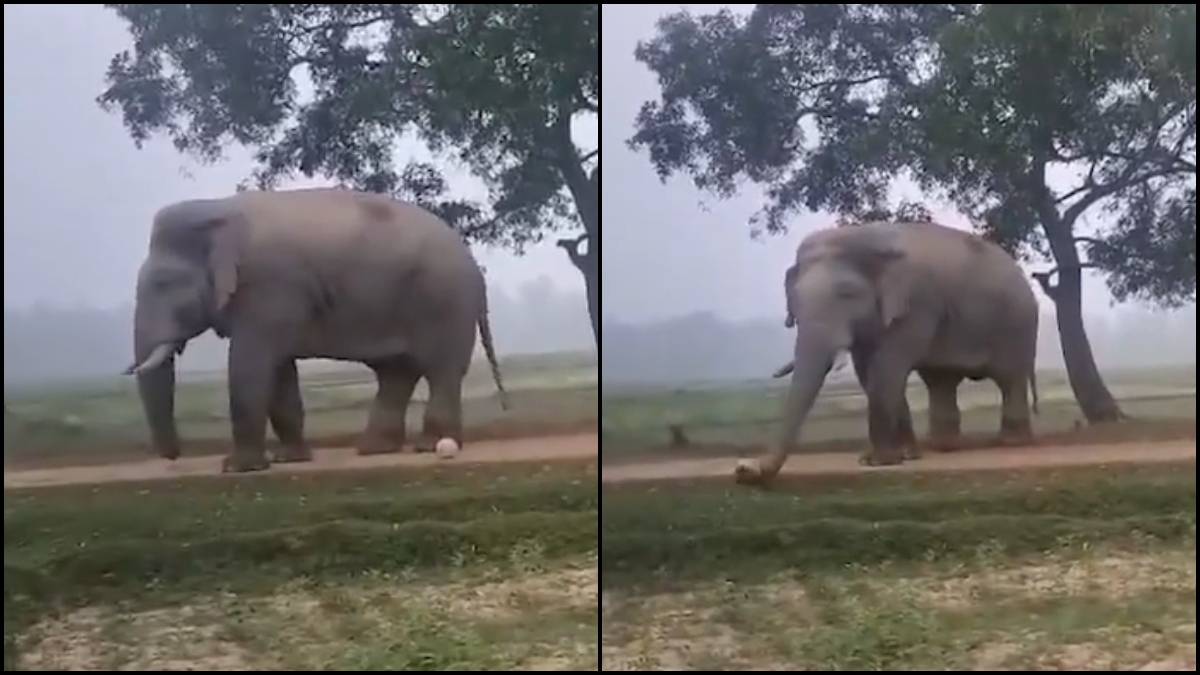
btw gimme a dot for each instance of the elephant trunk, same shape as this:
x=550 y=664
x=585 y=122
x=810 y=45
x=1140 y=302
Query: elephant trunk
x=814 y=357
x=155 y=371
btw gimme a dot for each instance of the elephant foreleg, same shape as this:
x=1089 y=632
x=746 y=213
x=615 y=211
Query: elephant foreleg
x=287 y=415
x=906 y=435
x=387 y=423
x=945 y=418
x=252 y=371
x=443 y=413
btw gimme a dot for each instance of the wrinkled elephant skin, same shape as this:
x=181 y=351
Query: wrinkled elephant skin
x=317 y=273
x=904 y=297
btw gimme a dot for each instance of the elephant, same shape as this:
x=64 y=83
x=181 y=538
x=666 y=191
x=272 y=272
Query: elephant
x=313 y=273
x=902 y=297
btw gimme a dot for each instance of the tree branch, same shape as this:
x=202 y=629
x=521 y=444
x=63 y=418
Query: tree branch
x=1102 y=191
x=572 y=245
x=1051 y=290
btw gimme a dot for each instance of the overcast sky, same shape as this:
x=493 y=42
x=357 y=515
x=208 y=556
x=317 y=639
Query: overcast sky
x=664 y=254
x=78 y=197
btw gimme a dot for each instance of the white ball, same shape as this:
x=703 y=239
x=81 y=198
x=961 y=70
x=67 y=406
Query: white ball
x=446 y=448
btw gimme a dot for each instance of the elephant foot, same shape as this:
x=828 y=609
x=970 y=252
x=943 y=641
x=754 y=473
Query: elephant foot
x=886 y=458
x=750 y=472
x=429 y=444
x=237 y=462
x=1014 y=433
x=292 y=454
x=912 y=452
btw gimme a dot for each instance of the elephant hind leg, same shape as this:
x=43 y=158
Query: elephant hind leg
x=286 y=415
x=443 y=412
x=387 y=422
x=1016 y=424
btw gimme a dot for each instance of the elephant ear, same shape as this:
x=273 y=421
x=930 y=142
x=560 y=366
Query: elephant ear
x=212 y=232
x=879 y=259
x=224 y=253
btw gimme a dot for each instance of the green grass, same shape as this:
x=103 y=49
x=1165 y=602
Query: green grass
x=103 y=422
x=635 y=424
x=242 y=560
x=859 y=572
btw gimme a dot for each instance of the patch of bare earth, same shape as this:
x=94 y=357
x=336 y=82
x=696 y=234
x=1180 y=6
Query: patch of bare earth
x=539 y=620
x=1118 y=611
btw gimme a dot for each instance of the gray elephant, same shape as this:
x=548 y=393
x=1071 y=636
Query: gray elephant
x=317 y=273
x=903 y=297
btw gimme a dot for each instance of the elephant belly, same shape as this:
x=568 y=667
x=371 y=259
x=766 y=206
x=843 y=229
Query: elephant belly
x=354 y=339
x=970 y=361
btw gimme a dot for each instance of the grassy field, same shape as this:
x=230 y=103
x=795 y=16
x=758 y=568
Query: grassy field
x=635 y=424
x=451 y=568
x=514 y=566
x=1066 y=569
x=102 y=422
x=1086 y=569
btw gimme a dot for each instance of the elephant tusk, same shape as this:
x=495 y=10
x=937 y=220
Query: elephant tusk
x=159 y=356
x=791 y=365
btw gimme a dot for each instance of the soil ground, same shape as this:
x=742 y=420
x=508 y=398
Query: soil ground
x=586 y=446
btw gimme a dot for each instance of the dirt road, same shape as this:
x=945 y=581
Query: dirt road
x=583 y=446
x=993 y=458
x=333 y=459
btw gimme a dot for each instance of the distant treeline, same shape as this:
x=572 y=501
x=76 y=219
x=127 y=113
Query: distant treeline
x=703 y=348
x=44 y=345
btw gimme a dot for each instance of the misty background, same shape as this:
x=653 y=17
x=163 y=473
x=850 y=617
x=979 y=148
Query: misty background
x=690 y=297
x=79 y=198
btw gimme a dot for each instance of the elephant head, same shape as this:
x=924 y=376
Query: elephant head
x=847 y=286
x=183 y=287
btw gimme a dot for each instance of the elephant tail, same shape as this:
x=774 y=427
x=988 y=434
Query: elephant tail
x=489 y=350
x=1033 y=390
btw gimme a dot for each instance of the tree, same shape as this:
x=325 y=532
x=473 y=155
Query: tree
x=826 y=105
x=328 y=89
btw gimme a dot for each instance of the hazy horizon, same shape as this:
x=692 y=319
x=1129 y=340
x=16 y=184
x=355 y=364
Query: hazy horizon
x=79 y=197
x=674 y=257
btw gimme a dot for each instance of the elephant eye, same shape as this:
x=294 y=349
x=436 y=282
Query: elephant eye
x=168 y=282
x=847 y=290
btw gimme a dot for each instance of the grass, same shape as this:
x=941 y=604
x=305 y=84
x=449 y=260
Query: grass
x=635 y=424
x=1081 y=568
x=511 y=566
x=103 y=422
x=1070 y=569
x=422 y=569
x=476 y=567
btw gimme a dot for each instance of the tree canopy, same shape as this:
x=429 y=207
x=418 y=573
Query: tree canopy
x=1066 y=132
x=318 y=89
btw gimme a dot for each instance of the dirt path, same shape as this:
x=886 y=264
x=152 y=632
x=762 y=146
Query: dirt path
x=992 y=458
x=333 y=459
x=583 y=446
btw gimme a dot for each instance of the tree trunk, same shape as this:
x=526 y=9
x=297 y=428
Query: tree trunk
x=586 y=191
x=591 y=279
x=1091 y=393
x=1095 y=400
x=588 y=264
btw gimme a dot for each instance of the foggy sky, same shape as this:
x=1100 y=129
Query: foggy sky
x=664 y=253
x=78 y=197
